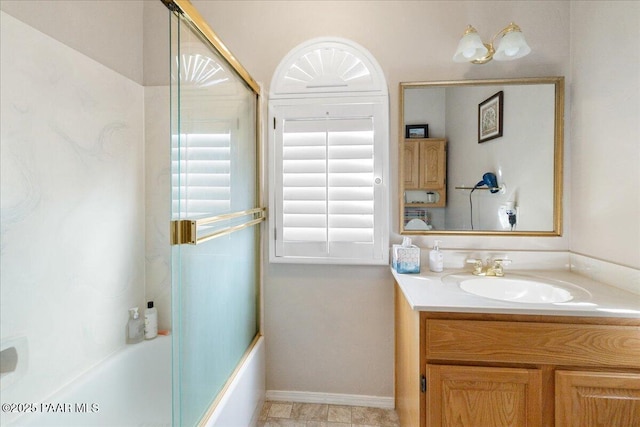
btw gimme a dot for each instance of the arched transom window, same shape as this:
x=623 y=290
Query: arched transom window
x=329 y=138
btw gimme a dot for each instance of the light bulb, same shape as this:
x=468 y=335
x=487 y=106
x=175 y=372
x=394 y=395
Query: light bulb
x=511 y=51
x=470 y=47
x=512 y=46
x=469 y=52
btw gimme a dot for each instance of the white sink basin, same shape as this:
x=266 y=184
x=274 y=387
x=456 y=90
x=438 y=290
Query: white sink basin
x=516 y=290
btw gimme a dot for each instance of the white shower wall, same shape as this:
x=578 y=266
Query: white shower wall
x=158 y=201
x=72 y=208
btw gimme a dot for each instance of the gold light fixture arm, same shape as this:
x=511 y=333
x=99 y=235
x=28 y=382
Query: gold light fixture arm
x=488 y=57
x=490 y=49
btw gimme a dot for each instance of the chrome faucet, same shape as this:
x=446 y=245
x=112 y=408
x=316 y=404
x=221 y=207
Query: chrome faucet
x=492 y=268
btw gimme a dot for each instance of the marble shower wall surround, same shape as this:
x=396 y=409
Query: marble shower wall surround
x=158 y=200
x=72 y=198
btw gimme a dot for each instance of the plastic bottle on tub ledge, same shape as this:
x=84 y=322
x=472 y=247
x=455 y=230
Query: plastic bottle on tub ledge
x=135 y=327
x=150 y=321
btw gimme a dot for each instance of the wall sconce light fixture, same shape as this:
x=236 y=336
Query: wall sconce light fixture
x=472 y=49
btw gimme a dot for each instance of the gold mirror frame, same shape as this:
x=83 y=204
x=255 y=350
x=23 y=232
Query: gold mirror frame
x=558 y=168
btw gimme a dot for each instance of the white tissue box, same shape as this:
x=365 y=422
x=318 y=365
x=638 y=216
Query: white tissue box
x=406 y=259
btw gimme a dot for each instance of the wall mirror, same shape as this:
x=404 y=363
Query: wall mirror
x=482 y=157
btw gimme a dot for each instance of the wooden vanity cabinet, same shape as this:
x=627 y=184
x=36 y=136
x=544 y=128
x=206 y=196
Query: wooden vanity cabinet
x=597 y=399
x=425 y=166
x=464 y=369
x=483 y=396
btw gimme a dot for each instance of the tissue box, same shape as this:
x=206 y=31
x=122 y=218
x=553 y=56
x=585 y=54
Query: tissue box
x=406 y=259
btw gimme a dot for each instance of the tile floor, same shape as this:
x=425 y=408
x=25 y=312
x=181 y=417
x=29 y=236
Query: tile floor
x=291 y=414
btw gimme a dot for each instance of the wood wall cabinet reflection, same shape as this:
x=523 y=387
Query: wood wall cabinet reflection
x=425 y=168
x=464 y=369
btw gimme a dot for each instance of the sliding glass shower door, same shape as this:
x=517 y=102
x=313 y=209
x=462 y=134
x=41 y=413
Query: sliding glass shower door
x=216 y=217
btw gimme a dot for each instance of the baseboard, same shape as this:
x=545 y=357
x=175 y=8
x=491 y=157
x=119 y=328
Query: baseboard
x=330 y=398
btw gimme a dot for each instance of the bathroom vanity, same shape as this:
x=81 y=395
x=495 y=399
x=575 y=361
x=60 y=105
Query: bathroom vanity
x=467 y=360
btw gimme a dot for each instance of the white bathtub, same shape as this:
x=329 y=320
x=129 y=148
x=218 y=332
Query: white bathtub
x=131 y=388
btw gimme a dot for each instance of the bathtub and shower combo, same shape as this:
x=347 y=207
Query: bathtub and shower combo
x=210 y=369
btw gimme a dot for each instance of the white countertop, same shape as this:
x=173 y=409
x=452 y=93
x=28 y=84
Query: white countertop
x=427 y=292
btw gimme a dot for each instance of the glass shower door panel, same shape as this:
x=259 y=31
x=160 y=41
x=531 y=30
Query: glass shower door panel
x=214 y=172
x=219 y=316
x=214 y=157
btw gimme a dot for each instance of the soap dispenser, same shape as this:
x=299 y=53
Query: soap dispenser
x=436 y=259
x=135 y=327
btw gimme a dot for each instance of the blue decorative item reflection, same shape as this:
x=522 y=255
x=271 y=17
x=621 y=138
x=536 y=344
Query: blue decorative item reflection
x=490 y=180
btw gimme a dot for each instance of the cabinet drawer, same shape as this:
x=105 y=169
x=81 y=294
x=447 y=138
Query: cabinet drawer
x=533 y=343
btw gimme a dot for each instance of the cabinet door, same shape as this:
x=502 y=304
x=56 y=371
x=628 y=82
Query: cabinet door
x=589 y=399
x=432 y=164
x=480 y=396
x=411 y=164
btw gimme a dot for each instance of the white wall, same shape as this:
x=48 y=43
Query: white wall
x=72 y=208
x=521 y=162
x=427 y=106
x=109 y=32
x=605 y=128
x=113 y=33
x=330 y=329
x=157 y=158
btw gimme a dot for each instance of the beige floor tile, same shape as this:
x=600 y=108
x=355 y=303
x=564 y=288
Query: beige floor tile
x=280 y=410
x=339 y=414
x=309 y=411
x=283 y=422
x=326 y=424
x=366 y=416
x=288 y=414
x=264 y=412
x=374 y=417
x=390 y=418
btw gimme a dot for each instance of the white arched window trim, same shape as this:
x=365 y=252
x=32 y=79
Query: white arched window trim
x=328 y=156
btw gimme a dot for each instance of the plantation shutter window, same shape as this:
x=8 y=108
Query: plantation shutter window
x=328 y=173
x=201 y=175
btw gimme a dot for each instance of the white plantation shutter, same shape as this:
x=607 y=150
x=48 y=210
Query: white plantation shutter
x=328 y=156
x=330 y=200
x=201 y=174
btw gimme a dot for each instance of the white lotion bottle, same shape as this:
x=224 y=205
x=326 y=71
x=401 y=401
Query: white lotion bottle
x=135 y=327
x=150 y=321
x=436 y=258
